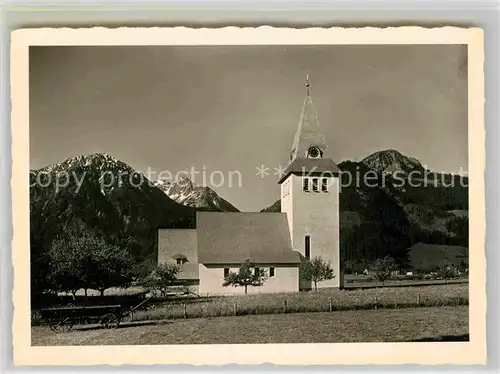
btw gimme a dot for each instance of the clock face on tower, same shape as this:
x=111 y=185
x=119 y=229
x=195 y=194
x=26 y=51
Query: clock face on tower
x=314 y=152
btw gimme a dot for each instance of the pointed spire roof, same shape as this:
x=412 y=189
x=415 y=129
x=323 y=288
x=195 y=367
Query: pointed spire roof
x=309 y=132
x=309 y=135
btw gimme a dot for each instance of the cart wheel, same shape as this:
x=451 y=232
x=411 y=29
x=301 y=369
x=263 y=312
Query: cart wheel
x=64 y=324
x=110 y=321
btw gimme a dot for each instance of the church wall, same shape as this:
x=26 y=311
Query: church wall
x=287 y=202
x=177 y=241
x=316 y=214
x=212 y=276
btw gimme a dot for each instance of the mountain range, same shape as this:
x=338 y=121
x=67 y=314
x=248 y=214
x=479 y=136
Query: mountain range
x=106 y=194
x=185 y=192
x=119 y=202
x=393 y=208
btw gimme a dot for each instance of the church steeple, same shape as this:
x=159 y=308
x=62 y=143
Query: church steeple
x=309 y=141
x=309 y=152
x=309 y=190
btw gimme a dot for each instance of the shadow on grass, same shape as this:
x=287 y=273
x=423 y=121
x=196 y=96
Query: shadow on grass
x=445 y=338
x=123 y=325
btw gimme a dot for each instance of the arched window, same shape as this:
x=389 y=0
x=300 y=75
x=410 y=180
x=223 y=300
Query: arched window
x=307 y=247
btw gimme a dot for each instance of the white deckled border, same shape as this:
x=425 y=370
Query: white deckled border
x=473 y=352
x=263 y=35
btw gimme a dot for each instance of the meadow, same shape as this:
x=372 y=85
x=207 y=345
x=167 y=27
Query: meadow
x=402 y=325
x=327 y=300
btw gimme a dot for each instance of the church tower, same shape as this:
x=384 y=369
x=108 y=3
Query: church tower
x=310 y=190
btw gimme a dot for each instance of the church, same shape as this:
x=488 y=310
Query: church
x=307 y=226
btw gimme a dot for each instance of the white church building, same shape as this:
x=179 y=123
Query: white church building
x=306 y=227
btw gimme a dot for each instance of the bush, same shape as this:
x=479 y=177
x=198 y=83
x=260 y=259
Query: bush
x=36 y=319
x=161 y=278
x=383 y=268
x=447 y=270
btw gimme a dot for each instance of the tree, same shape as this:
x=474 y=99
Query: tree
x=66 y=266
x=316 y=270
x=383 y=268
x=447 y=270
x=141 y=270
x=70 y=255
x=353 y=267
x=247 y=275
x=348 y=267
x=162 y=277
x=80 y=258
x=110 y=266
x=459 y=226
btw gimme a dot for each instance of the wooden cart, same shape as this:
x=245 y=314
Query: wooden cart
x=62 y=319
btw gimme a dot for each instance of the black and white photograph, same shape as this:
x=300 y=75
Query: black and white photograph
x=250 y=194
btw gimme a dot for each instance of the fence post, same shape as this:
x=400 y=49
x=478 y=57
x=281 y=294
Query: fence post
x=418 y=299
x=285 y=306
x=234 y=308
x=330 y=304
x=376 y=303
x=185 y=310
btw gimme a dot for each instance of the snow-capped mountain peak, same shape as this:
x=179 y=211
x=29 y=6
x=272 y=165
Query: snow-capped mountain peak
x=101 y=161
x=185 y=192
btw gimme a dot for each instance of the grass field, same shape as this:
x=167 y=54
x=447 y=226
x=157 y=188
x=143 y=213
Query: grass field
x=419 y=324
x=352 y=281
x=322 y=301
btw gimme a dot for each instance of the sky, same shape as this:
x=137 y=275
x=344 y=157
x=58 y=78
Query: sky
x=226 y=110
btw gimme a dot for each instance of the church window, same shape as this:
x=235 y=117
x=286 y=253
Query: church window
x=315 y=185
x=324 y=185
x=226 y=272
x=305 y=184
x=180 y=259
x=271 y=272
x=308 y=247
